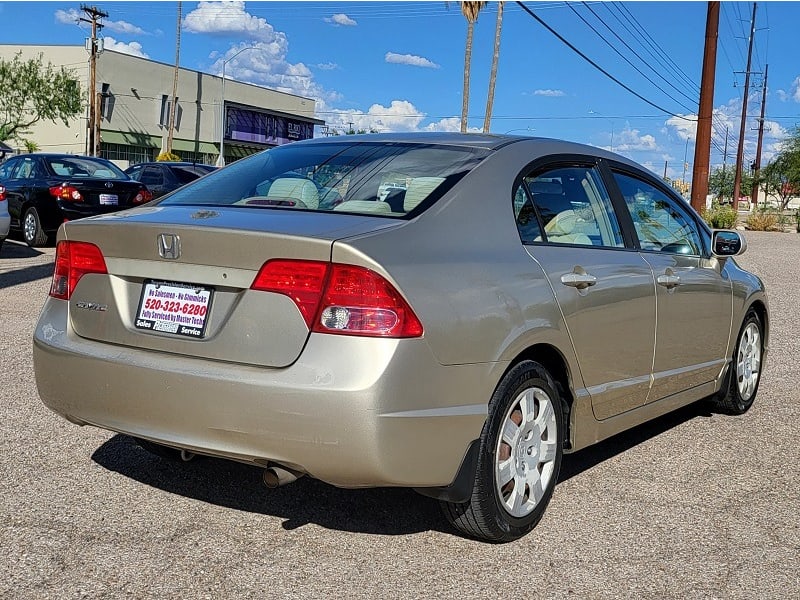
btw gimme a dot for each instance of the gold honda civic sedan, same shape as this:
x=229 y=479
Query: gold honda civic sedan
x=445 y=312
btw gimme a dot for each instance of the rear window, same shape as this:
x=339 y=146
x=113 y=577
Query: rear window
x=381 y=179
x=88 y=168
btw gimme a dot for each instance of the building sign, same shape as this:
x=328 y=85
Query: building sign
x=246 y=125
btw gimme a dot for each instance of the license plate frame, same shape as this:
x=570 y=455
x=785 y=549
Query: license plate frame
x=174 y=308
x=109 y=199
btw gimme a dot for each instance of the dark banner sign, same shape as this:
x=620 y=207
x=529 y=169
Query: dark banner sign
x=262 y=128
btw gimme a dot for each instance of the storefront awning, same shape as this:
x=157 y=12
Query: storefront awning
x=144 y=140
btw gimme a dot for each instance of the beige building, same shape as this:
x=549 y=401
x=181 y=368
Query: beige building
x=136 y=95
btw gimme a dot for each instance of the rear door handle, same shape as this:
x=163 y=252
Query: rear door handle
x=578 y=280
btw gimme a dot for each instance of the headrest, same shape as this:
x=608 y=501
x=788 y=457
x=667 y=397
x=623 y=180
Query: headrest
x=546 y=187
x=295 y=189
x=418 y=189
x=562 y=224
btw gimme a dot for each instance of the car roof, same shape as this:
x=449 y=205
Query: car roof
x=537 y=146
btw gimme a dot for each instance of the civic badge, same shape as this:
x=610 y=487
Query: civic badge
x=169 y=246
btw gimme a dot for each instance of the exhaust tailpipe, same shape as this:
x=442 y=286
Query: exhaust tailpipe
x=275 y=476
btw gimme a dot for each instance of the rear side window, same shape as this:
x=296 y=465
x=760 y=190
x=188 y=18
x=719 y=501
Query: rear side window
x=572 y=206
x=381 y=179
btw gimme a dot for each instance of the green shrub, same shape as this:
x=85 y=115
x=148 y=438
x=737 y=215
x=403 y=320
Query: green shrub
x=765 y=220
x=719 y=216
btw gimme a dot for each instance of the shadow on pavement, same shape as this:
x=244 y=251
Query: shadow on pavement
x=14 y=249
x=583 y=460
x=25 y=275
x=382 y=511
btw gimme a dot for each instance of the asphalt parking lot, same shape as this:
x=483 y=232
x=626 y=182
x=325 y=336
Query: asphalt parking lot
x=694 y=505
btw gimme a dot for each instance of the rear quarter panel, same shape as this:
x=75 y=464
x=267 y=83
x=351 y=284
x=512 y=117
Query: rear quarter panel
x=463 y=269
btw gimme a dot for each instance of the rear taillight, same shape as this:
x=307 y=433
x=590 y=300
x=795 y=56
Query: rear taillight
x=73 y=261
x=66 y=192
x=341 y=299
x=2 y=193
x=144 y=195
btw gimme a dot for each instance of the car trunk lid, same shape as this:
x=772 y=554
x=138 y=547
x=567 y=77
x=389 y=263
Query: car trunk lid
x=179 y=279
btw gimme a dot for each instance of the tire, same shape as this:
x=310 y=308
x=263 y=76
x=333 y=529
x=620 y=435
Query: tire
x=32 y=231
x=521 y=446
x=165 y=452
x=744 y=375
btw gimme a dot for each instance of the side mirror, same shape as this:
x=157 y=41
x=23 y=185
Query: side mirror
x=727 y=243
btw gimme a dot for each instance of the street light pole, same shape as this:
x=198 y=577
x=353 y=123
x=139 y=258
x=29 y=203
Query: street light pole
x=221 y=157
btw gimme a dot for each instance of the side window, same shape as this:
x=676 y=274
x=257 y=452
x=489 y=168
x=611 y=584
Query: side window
x=26 y=169
x=136 y=173
x=527 y=221
x=661 y=223
x=7 y=168
x=574 y=207
x=152 y=176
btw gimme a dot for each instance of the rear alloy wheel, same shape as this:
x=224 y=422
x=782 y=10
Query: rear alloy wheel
x=739 y=392
x=32 y=230
x=519 y=460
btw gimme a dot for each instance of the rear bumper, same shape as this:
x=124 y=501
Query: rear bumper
x=353 y=412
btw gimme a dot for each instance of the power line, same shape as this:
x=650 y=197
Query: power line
x=641 y=32
x=635 y=53
x=598 y=67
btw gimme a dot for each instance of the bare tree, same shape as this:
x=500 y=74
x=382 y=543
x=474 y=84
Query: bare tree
x=470 y=10
x=487 y=121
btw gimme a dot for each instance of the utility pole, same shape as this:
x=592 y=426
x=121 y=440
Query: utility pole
x=737 y=180
x=94 y=14
x=754 y=195
x=174 y=104
x=702 y=148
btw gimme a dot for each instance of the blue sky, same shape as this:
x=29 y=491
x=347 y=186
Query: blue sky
x=398 y=66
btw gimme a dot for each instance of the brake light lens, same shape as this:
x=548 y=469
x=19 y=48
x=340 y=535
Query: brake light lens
x=341 y=299
x=66 y=192
x=73 y=261
x=143 y=196
x=2 y=193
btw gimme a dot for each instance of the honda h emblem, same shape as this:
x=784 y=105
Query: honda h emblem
x=169 y=246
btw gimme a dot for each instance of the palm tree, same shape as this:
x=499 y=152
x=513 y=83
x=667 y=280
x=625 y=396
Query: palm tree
x=487 y=121
x=470 y=10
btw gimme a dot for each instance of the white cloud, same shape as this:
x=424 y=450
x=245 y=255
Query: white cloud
x=328 y=66
x=72 y=16
x=264 y=63
x=133 y=48
x=400 y=115
x=230 y=17
x=782 y=95
x=795 y=90
x=67 y=17
x=549 y=93
x=684 y=126
x=629 y=140
x=341 y=19
x=124 y=27
x=410 y=59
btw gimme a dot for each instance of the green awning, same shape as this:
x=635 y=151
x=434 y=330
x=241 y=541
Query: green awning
x=193 y=146
x=142 y=140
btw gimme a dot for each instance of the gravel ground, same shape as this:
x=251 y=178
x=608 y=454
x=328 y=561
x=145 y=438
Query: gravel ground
x=693 y=505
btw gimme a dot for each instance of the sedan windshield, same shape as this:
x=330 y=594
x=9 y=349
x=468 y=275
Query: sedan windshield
x=376 y=178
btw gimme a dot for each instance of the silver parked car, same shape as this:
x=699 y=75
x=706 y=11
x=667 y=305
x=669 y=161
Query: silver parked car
x=518 y=298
